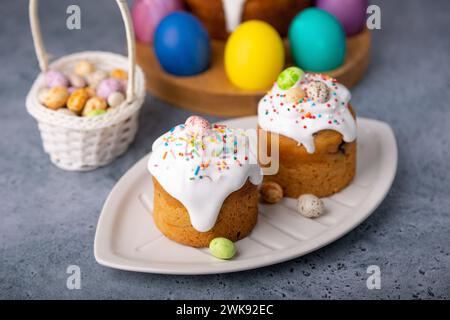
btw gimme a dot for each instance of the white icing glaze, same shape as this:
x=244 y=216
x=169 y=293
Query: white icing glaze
x=233 y=10
x=201 y=172
x=301 y=120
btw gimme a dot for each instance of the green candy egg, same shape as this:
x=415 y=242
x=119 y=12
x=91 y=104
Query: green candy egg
x=317 y=40
x=95 y=113
x=289 y=77
x=222 y=248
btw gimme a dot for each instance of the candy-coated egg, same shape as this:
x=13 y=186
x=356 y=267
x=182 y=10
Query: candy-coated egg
x=254 y=55
x=351 y=13
x=147 y=14
x=55 y=78
x=77 y=100
x=83 y=68
x=76 y=81
x=108 y=86
x=119 y=74
x=182 y=44
x=56 y=97
x=271 y=192
x=222 y=248
x=196 y=125
x=42 y=94
x=317 y=40
x=318 y=91
x=94 y=103
x=115 y=99
x=96 y=77
x=289 y=77
x=310 y=206
x=95 y=113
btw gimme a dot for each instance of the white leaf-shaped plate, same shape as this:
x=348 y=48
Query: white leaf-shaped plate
x=126 y=237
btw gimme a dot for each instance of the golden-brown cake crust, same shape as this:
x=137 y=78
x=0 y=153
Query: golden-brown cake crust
x=326 y=171
x=236 y=219
x=278 y=13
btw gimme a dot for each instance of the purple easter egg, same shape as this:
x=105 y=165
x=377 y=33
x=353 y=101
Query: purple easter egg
x=55 y=78
x=350 y=13
x=148 y=13
x=108 y=86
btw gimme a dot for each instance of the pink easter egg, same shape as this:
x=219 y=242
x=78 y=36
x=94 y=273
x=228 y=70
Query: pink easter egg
x=55 y=78
x=148 y=13
x=108 y=86
x=196 y=125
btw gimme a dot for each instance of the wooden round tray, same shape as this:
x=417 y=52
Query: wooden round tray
x=211 y=93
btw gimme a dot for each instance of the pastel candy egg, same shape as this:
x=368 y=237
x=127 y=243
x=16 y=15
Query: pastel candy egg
x=42 y=94
x=66 y=112
x=95 y=113
x=55 y=78
x=56 y=97
x=317 y=40
x=182 y=44
x=83 y=68
x=147 y=14
x=318 y=91
x=295 y=95
x=119 y=74
x=76 y=81
x=115 y=99
x=94 y=103
x=351 y=13
x=289 y=77
x=108 y=86
x=310 y=206
x=77 y=100
x=222 y=248
x=249 y=63
x=271 y=192
x=196 y=125
x=96 y=77
x=90 y=91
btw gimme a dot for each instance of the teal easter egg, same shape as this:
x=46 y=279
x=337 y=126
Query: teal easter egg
x=317 y=40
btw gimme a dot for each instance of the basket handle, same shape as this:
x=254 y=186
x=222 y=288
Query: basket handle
x=43 y=57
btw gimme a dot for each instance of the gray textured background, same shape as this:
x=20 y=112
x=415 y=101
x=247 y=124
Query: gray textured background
x=48 y=216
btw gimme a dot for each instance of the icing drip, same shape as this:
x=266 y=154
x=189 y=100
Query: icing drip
x=300 y=120
x=201 y=170
x=233 y=10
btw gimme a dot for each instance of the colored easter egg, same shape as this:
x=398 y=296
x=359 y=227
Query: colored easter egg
x=317 y=40
x=182 y=44
x=254 y=55
x=147 y=14
x=351 y=13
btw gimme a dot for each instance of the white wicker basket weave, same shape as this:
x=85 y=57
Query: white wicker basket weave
x=80 y=143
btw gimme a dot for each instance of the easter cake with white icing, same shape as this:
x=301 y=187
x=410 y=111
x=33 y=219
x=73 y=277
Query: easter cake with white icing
x=221 y=17
x=206 y=181
x=316 y=126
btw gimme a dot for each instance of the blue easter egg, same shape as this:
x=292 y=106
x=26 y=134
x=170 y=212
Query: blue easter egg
x=182 y=44
x=317 y=40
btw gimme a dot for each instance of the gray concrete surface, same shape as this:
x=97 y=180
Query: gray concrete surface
x=48 y=216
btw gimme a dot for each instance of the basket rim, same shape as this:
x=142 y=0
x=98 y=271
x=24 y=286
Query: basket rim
x=125 y=110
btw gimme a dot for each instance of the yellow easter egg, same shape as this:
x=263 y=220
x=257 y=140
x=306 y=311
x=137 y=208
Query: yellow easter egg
x=254 y=55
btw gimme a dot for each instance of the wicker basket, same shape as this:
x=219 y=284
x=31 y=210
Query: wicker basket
x=80 y=143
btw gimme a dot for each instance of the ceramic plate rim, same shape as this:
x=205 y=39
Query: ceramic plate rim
x=105 y=255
